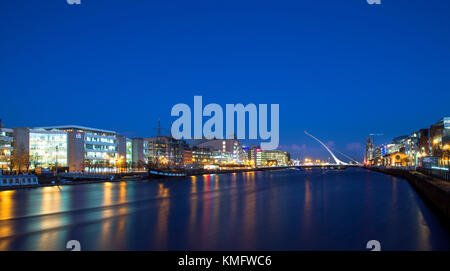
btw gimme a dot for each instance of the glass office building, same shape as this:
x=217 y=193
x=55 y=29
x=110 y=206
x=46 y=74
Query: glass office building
x=129 y=151
x=47 y=149
x=6 y=147
x=90 y=149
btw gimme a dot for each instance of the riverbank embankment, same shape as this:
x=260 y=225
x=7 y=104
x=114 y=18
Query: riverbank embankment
x=434 y=190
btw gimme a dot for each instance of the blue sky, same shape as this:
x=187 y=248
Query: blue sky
x=339 y=69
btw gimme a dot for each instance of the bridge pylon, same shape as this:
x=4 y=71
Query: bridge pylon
x=338 y=162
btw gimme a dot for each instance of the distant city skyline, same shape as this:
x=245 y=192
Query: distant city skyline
x=339 y=69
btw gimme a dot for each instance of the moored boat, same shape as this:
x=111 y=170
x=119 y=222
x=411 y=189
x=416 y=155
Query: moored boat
x=161 y=174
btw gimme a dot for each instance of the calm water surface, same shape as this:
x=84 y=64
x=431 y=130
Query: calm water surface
x=277 y=210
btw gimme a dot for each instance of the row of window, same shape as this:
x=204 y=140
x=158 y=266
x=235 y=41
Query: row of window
x=100 y=139
x=100 y=147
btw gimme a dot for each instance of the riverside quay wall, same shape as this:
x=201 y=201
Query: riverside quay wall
x=435 y=191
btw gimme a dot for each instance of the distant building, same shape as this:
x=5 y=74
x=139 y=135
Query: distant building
x=6 y=147
x=166 y=150
x=440 y=141
x=425 y=147
x=369 y=150
x=129 y=152
x=198 y=156
x=423 y=142
x=187 y=157
x=275 y=157
x=138 y=152
x=229 y=150
x=260 y=157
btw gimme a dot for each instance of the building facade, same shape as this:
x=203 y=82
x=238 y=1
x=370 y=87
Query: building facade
x=90 y=149
x=226 y=150
x=36 y=148
x=425 y=147
x=6 y=147
x=259 y=157
x=165 y=151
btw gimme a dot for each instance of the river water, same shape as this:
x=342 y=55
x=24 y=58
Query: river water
x=272 y=210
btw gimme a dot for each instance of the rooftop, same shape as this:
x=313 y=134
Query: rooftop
x=67 y=127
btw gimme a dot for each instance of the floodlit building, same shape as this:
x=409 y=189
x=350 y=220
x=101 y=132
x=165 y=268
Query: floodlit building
x=6 y=147
x=425 y=147
x=129 y=152
x=40 y=148
x=440 y=142
x=166 y=151
x=198 y=156
x=369 y=150
x=91 y=149
x=226 y=149
x=260 y=157
x=275 y=157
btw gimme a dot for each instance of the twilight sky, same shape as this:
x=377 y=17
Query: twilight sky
x=339 y=69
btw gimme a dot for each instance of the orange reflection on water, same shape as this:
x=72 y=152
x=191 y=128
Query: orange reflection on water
x=162 y=191
x=107 y=199
x=216 y=182
x=122 y=192
x=105 y=235
x=109 y=234
x=193 y=184
x=107 y=193
x=122 y=198
x=6 y=212
x=47 y=241
x=161 y=232
x=51 y=203
x=6 y=206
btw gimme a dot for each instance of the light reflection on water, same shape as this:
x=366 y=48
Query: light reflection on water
x=279 y=210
